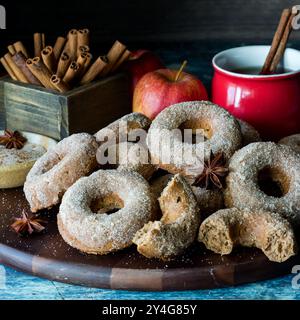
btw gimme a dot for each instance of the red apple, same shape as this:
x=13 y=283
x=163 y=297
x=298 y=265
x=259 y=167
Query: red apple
x=162 y=88
x=140 y=63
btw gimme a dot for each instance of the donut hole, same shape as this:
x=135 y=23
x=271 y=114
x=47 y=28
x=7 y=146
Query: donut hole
x=108 y=204
x=196 y=124
x=273 y=181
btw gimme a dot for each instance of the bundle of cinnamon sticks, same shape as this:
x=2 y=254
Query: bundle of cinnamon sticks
x=279 y=42
x=64 y=66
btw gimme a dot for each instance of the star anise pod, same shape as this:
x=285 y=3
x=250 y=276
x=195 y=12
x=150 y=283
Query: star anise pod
x=12 y=139
x=28 y=224
x=213 y=173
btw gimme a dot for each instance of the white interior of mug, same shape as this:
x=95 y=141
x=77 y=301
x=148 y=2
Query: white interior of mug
x=249 y=57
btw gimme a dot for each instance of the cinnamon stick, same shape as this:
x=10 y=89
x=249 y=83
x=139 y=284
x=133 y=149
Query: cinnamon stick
x=11 y=49
x=87 y=62
x=286 y=13
x=282 y=44
x=125 y=56
x=113 y=56
x=59 y=84
x=8 y=68
x=19 y=47
x=63 y=65
x=39 y=43
x=83 y=49
x=82 y=58
x=20 y=60
x=71 y=46
x=58 y=47
x=17 y=71
x=95 y=69
x=83 y=38
x=49 y=58
x=72 y=73
x=41 y=72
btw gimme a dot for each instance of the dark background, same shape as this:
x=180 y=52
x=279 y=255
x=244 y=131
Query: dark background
x=197 y=28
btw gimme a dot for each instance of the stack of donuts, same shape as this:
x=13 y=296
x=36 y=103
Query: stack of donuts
x=159 y=206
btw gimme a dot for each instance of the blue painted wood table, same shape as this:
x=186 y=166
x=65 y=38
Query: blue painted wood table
x=17 y=285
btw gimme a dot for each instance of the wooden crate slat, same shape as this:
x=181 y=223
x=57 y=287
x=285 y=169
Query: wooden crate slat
x=33 y=96
x=15 y=105
x=97 y=105
x=36 y=124
x=84 y=109
x=2 y=109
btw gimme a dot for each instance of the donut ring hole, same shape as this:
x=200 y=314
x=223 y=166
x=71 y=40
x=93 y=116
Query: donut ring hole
x=194 y=124
x=108 y=204
x=273 y=181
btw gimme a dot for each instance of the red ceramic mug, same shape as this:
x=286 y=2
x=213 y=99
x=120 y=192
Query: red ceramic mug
x=270 y=103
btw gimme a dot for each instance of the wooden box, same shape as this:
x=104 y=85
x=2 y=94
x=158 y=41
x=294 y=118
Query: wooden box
x=56 y=115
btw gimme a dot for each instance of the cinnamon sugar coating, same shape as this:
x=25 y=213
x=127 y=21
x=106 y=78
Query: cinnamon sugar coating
x=292 y=141
x=84 y=219
x=131 y=156
x=249 y=133
x=58 y=169
x=178 y=226
x=208 y=201
x=123 y=126
x=221 y=130
x=280 y=163
x=268 y=231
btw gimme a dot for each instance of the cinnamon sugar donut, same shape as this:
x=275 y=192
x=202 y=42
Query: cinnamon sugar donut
x=221 y=130
x=258 y=165
x=128 y=156
x=123 y=126
x=293 y=141
x=267 y=231
x=84 y=220
x=178 y=226
x=158 y=184
x=58 y=169
x=208 y=201
x=138 y=160
x=249 y=133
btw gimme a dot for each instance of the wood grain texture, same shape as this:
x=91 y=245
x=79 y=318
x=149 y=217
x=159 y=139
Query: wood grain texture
x=94 y=106
x=47 y=255
x=56 y=115
x=2 y=110
x=20 y=286
x=156 y=20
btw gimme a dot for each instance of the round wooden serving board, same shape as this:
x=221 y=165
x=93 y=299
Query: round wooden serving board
x=47 y=255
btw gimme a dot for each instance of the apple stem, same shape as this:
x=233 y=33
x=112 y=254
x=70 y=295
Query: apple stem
x=178 y=74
